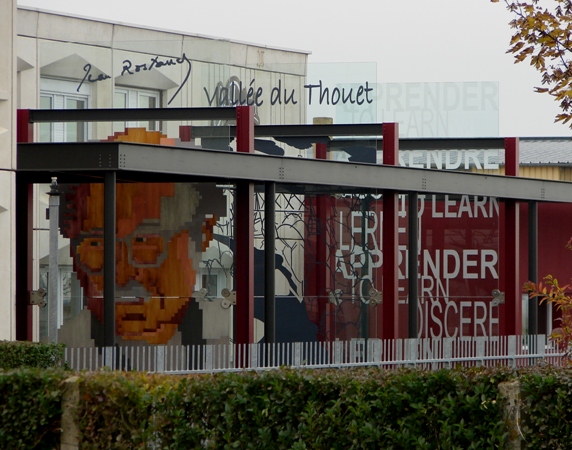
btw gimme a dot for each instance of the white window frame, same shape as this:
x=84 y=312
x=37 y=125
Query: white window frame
x=60 y=91
x=220 y=275
x=133 y=100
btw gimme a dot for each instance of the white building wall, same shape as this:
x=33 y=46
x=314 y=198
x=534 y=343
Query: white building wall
x=7 y=166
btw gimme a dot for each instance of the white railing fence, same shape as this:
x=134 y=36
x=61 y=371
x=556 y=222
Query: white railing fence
x=511 y=351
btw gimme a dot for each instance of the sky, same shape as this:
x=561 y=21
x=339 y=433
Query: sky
x=408 y=40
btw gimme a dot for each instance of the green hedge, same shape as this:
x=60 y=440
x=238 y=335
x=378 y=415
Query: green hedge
x=547 y=404
x=14 y=354
x=119 y=410
x=283 y=409
x=292 y=409
x=30 y=408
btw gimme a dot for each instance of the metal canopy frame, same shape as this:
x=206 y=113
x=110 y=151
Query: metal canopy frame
x=134 y=162
x=112 y=162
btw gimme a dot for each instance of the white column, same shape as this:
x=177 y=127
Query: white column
x=55 y=306
x=7 y=167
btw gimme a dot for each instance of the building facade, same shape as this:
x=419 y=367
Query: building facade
x=52 y=61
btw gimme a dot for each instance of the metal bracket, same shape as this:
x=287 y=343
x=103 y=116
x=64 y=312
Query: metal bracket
x=201 y=295
x=498 y=297
x=375 y=297
x=229 y=298
x=335 y=297
x=39 y=298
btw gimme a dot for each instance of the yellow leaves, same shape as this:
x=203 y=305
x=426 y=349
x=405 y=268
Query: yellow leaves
x=515 y=39
x=543 y=36
x=538 y=62
x=521 y=56
x=515 y=48
x=564 y=118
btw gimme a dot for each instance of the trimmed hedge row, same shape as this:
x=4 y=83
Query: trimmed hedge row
x=15 y=354
x=30 y=408
x=365 y=408
x=547 y=407
x=349 y=409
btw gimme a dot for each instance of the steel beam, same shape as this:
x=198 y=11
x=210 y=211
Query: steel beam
x=154 y=160
x=412 y=263
x=269 y=263
x=109 y=216
x=116 y=114
x=533 y=265
x=228 y=113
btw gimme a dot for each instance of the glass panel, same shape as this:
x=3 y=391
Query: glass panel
x=166 y=234
x=146 y=101
x=75 y=132
x=344 y=92
x=119 y=101
x=329 y=249
x=355 y=224
x=46 y=128
x=458 y=265
x=328 y=260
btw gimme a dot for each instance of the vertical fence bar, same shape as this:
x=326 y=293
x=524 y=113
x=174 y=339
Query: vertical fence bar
x=428 y=353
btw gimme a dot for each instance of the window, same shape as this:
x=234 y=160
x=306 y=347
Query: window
x=136 y=98
x=60 y=94
x=210 y=283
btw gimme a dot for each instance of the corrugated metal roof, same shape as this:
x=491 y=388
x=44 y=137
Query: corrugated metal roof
x=553 y=151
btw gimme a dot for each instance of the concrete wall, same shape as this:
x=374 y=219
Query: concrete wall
x=7 y=165
x=62 y=46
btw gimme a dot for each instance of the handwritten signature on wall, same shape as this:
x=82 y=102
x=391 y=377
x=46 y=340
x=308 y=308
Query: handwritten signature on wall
x=235 y=92
x=129 y=68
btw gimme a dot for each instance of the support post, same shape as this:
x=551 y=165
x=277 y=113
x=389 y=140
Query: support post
x=24 y=236
x=321 y=275
x=55 y=318
x=244 y=234
x=365 y=272
x=326 y=315
x=510 y=316
x=24 y=128
x=269 y=262
x=109 y=234
x=388 y=310
x=533 y=325
x=24 y=258
x=413 y=266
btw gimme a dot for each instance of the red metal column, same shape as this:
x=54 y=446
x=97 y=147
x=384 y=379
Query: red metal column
x=24 y=129
x=244 y=233
x=510 y=314
x=388 y=310
x=185 y=133
x=24 y=227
